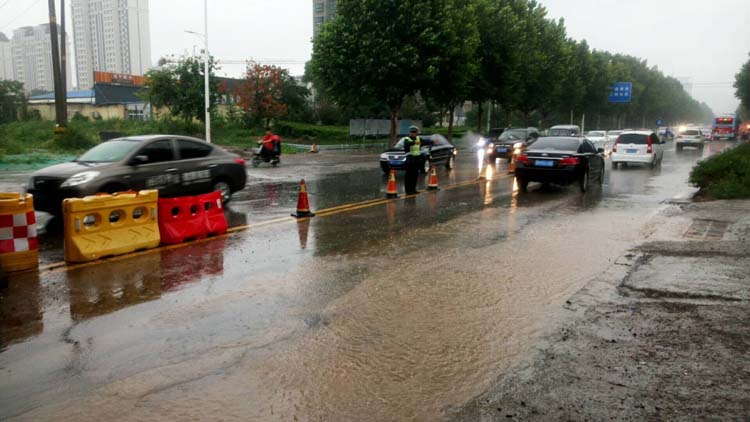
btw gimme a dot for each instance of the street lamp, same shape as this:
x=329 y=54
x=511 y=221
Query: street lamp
x=206 y=69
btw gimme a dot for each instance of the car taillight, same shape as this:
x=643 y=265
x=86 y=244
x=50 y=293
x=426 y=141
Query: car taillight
x=614 y=147
x=570 y=161
x=239 y=161
x=650 y=148
x=524 y=159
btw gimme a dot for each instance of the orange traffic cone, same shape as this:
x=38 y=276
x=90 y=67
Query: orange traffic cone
x=432 y=182
x=303 y=204
x=512 y=165
x=314 y=149
x=392 y=190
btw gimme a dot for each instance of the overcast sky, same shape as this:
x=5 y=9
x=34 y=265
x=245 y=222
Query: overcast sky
x=703 y=41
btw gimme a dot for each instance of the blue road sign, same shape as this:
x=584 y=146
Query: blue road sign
x=659 y=122
x=622 y=92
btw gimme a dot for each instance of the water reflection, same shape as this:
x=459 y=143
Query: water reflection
x=20 y=308
x=189 y=264
x=303 y=228
x=106 y=288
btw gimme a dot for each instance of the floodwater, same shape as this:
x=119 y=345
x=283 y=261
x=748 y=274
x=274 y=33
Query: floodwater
x=401 y=310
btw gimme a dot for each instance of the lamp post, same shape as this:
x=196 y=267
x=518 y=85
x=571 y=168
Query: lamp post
x=206 y=70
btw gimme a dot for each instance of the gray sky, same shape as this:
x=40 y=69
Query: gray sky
x=704 y=41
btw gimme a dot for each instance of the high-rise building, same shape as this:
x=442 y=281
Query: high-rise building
x=110 y=36
x=323 y=11
x=6 y=58
x=31 y=49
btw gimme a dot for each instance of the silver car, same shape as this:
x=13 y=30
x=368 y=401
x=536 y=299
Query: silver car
x=690 y=137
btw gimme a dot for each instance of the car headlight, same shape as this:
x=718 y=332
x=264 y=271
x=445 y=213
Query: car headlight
x=80 y=178
x=383 y=156
x=481 y=142
x=491 y=145
x=518 y=145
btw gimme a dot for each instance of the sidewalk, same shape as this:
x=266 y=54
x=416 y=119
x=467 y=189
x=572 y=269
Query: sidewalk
x=663 y=335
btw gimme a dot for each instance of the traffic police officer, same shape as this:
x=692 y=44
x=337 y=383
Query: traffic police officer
x=412 y=148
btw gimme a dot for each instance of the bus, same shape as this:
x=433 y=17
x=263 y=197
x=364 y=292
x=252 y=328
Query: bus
x=725 y=127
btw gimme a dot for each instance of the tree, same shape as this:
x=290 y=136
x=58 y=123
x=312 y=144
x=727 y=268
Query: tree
x=381 y=49
x=261 y=94
x=742 y=84
x=12 y=101
x=180 y=87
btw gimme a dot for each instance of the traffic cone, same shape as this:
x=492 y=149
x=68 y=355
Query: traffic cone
x=432 y=182
x=392 y=190
x=512 y=165
x=314 y=149
x=303 y=204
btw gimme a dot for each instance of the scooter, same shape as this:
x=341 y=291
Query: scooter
x=274 y=158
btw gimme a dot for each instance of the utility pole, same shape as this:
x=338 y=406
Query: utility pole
x=206 y=69
x=60 y=95
x=63 y=61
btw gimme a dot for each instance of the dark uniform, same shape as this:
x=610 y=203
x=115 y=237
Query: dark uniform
x=412 y=148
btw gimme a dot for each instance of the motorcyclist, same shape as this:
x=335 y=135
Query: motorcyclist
x=270 y=146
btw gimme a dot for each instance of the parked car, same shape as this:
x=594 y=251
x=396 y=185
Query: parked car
x=510 y=141
x=706 y=133
x=599 y=139
x=689 y=137
x=175 y=165
x=560 y=161
x=637 y=147
x=435 y=150
x=564 y=130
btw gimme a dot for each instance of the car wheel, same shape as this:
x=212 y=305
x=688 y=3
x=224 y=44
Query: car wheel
x=226 y=191
x=426 y=166
x=523 y=184
x=584 y=182
x=451 y=162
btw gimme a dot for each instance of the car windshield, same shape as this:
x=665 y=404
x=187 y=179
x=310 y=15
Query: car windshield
x=595 y=133
x=562 y=132
x=633 y=138
x=110 y=151
x=556 y=144
x=513 y=135
x=614 y=132
x=690 y=132
x=424 y=142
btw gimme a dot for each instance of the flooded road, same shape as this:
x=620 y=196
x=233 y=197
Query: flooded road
x=395 y=310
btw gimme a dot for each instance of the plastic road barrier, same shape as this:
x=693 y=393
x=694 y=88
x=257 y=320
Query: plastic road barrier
x=19 y=245
x=191 y=217
x=105 y=225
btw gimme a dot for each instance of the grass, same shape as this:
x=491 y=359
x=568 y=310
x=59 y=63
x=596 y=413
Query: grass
x=726 y=175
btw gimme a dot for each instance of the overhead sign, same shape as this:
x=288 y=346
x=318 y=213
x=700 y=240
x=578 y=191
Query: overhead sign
x=659 y=122
x=622 y=92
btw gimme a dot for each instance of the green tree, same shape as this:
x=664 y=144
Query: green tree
x=12 y=101
x=180 y=87
x=742 y=84
x=381 y=49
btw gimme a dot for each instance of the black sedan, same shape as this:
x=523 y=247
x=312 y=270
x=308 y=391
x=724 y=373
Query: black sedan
x=560 y=161
x=175 y=165
x=509 y=141
x=435 y=150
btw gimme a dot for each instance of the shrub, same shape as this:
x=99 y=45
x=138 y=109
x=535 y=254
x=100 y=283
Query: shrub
x=315 y=133
x=73 y=140
x=726 y=175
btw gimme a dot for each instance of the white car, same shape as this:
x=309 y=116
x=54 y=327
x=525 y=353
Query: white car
x=612 y=136
x=599 y=139
x=690 y=137
x=637 y=147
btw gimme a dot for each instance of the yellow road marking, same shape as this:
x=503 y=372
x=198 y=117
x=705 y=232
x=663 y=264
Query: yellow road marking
x=62 y=266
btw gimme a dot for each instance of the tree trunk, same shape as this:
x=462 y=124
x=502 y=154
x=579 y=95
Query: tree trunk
x=450 y=123
x=479 y=118
x=394 y=124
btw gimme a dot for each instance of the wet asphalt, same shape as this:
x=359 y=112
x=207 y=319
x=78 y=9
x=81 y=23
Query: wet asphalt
x=401 y=309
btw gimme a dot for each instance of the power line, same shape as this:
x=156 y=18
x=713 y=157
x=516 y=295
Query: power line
x=7 y=25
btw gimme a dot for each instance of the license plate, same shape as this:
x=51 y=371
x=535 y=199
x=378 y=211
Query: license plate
x=544 y=163
x=395 y=163
x=631 y=151
x=502 y=150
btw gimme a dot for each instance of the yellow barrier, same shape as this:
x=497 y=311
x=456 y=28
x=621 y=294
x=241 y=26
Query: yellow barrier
x=19 y=246
x=106 y=225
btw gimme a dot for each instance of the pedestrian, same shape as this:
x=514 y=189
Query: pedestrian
x=412 y=148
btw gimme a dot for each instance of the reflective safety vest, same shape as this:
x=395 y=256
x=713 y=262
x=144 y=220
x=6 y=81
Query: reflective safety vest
x=416 y=146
